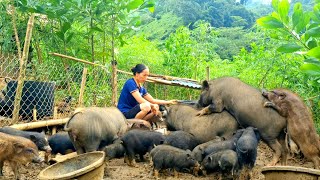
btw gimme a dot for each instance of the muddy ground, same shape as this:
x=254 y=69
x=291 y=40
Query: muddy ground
x=117 y=169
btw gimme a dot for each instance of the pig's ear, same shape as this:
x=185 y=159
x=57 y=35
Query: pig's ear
x=205 y=85
x=18 y=147
x=33 y=138
x=282 y=95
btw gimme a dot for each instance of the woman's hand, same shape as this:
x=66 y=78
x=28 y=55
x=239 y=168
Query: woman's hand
x=155 y=109
x=174 y=101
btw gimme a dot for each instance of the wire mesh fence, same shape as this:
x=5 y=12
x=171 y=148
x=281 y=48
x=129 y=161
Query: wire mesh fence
x=53 y=89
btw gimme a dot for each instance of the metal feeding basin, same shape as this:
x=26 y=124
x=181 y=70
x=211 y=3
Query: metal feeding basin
x=81 y=167
x=290 y=173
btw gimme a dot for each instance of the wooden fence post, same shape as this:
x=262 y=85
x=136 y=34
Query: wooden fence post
x=114 y=83
x=208 y=73
x=22 y=72
x=83 y=85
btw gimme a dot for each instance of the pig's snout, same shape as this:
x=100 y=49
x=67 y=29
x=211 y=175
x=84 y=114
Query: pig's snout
x=47 y=149
x=37 y=159
x=264 y=92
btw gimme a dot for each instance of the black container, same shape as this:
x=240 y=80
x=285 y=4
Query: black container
x=35 y=95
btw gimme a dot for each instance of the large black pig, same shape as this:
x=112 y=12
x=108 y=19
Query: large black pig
x=204 y=128
x=93 y=128
x=38 y=138
x=245 y=103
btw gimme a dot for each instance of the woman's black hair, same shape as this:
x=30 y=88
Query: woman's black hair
x=138 y=68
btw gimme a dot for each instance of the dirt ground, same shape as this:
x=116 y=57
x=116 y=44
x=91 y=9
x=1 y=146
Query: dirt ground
x=117 y=169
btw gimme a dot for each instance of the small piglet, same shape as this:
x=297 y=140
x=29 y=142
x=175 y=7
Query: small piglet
x=138 y=141
x=114 y=150
x=61 y=143
x=182 y=140
x=166 y=157
x=225 y=161
x=197 y=152
x=17 y=150
x=38 y=138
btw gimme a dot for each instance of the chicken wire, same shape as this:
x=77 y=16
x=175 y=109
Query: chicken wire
x=53 y=89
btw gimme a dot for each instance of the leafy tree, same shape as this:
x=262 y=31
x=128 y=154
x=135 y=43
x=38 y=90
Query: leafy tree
x=299 y=33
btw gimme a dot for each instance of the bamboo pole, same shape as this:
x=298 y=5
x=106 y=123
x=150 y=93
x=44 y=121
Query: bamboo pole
x=150 y=78
x=40 y=124
x=17 y=99
x=34 y=114
x=161 y=76
x=14 y=24
x=83 y=85
x=208 y=73
x=76 y=59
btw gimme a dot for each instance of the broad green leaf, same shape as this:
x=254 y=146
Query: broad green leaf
x=312 y=44
x=275 y=4
x=316 y=13
x=297 y=15
x=95 y=28
x=269 y=22
x=283 y=10
x=311 y=69
x=147 y=5
x=69 y=37
x=315 y=52
x=65 y=27
x=314 y=32
x=275 y=15
x=303 y=22
x=151 y=9
x=312 y=60
x=289 y=48
x=134 y=4
x=60 y=35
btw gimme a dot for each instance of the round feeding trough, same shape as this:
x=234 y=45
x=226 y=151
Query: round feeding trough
x=81 y=167
x=290 y=173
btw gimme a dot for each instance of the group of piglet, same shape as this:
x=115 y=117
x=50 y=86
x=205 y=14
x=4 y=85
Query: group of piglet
x=181 y=151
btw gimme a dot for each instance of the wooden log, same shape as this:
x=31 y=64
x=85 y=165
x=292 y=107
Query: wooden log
x=40 y=124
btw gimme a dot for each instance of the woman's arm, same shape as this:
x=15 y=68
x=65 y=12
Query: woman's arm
x=139 y=98
x=152 y=100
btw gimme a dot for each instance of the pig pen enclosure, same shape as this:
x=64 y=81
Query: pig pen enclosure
x=84 y=84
